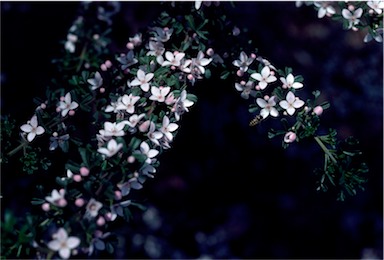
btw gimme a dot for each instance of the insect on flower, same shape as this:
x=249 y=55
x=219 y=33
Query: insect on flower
x=256 y=120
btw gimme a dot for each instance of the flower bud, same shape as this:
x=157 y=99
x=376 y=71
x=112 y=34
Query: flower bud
x=240 y=73
x=318 y=110
x=71 y=112
x=131 y=159
x=290 y=137
x=100 y=221
x=46 y=206
x=130 y=46
x=103 y=67
x=118 y=195
x=77 y=178
x=108 y=63
x=79 y=202
x=84 y=171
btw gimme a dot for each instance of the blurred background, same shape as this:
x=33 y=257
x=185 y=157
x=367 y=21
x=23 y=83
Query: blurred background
x=225 y=190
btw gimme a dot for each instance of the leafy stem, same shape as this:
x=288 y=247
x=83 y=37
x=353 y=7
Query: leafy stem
x=325 y=149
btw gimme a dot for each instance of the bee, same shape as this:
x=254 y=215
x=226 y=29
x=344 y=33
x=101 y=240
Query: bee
x=256 y=120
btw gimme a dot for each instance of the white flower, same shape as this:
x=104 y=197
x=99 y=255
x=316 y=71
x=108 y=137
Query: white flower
x=136 y=40
x=173 y=60
x=127 y=60
x=198 y=4
x=96 y=82
x=142 y=80
x=377 y=5
x=243 y=62
x=128 y=103
x=264 y=77
x=92 y=208
x=289 y=82
x=126 y=186
x=376 y=34
x=154 y=135
x=66 y=105
x=199 y=62
x=291 y=103
x=324 y=9
x=70 y=43
x=155 y=48
x=267 y=107
x=134 y=119
x=112 y=148
x=62 y=243
x=113 y=106
x=57 y=198
x=158 y=94
x=162 y=35
x=246 y=90
x=181 y=105
x=32 y=128
x=167 y=128
x=352 y=16
x=150 y=153
x=113 y=129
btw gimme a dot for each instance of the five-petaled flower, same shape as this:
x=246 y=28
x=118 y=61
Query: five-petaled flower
x=267 y=107
x=289 y=82
x=291 y=103
x=62 y=243
x=32 y=128
x=112 y=148
x=142 y=80
x=264 y=77
x=66 y=104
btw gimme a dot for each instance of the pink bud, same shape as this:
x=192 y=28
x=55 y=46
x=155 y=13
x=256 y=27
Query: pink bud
x=43 y=106
x=102 y=90
x=71 y=112
x=289 y=137
x=118 y=195
x=210 y=52
x=100 y=221
x=62 y=203
x=253 y=56
x=103 y=67
x=351 y=8
x=84 y=171
x=243 y=83
x=46 y=206
x=131 y=159
x=318 y=110
x=266 y=97
x=257 y=87
x=79 y=202
x=130 y=46
x=62 y=98
x=190 y=76
x=240 y=73
x=108 y=63
x=58 y=109
x=76 y=178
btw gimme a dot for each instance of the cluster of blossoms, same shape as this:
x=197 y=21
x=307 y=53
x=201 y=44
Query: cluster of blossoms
x=273 y=97
x=133 y=104
x=142 y=96
x=354 y=15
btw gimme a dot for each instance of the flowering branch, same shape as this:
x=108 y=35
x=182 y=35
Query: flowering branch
x=113 y=117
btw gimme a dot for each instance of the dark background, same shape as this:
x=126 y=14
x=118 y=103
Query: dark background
x=225 y=190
